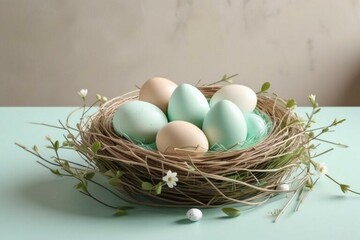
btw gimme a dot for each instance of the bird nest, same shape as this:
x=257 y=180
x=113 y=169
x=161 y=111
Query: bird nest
x=248 y=176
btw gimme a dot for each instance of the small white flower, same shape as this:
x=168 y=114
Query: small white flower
x=48 y=137
x=313 y=102
x=321 y=169
x=312 y=98
x=83 y=92
x=170 y=179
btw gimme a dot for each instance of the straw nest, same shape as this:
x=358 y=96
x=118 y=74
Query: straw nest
x=249 y=176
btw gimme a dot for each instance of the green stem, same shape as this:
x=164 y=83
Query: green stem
x=96 y=199
x=337 y=144
x=37 y=155
x=358 y=193
x=286 y=205
x=332 y=179
x=318 y=155
x=105 y=188
x=310 y=119
x=224 y=79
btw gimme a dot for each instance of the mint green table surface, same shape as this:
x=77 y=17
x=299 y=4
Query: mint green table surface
x=35 y=204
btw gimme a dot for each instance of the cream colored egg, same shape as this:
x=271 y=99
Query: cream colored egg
x=157 y=90
x=243 y=97
x=180 y=137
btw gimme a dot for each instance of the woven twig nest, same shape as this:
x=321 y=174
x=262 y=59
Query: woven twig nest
x=249 y=176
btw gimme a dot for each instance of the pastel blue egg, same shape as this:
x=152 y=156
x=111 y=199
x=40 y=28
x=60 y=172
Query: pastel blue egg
x=138 y=121
x=225 y=126
x=256 y=126
x=188 y=104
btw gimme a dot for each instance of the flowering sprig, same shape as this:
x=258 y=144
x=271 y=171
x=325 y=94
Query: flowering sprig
x=169 y=179
x=320 y=168
x=84 y=173
x=307 y=159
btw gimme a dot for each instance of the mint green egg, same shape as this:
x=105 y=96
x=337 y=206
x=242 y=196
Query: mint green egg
x=188 y=104
x=225 y=126
x=256 y=126
x=138 y=121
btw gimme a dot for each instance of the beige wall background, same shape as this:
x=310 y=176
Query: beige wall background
x=49 y=49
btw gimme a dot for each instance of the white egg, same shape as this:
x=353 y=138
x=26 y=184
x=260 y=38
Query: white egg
x=194 y=214
x=243 y=97
x=283 y=187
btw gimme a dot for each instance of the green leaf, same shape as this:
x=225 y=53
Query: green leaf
x=114 y=181
x=324 y=130
x=109 y=173
x=147 y=186
x=158 y=188
x=265 y=87
x=309 y=183
x=55 y=171
x=95 y=147
x=120 y=212
x=89 y=175
x=336 y=122
x=311 y=134
x=290 y=103
x=56 y=145
x=66 y=167
x=231 y=212
x=81 y=186
x=35 y=149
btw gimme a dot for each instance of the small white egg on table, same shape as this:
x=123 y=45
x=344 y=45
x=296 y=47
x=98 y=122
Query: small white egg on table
x=194 y=214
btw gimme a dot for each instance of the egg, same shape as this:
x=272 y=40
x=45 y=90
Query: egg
x=187 y=103
x=244 y=97
x=194 y=214
x=283 y=187
x=256 y=126
x=138 y=121
x=182 y=138
x=157 y=90
x=225 y=126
